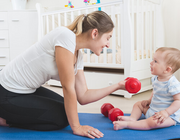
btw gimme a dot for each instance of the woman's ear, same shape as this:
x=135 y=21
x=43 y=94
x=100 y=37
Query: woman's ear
x=94 y=33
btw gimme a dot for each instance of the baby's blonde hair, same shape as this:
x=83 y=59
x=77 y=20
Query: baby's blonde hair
x=95 y=20
x=172 y=57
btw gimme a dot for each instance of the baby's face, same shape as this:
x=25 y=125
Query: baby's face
x=158 y=64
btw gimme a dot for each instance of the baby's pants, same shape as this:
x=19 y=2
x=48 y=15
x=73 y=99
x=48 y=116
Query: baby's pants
x=42 y=110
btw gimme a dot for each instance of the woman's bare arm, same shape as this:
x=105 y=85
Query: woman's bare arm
x=65 y=65
x=64 y=61
x=86 y=95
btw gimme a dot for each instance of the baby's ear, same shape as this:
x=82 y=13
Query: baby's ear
x=169 y=69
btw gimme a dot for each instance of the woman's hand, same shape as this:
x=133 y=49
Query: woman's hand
x=88 y=131
x=161 y=116
x=121 y=85
x=145 y=103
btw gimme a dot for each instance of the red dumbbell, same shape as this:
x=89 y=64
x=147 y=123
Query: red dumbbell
x=132 y=85
x=109 y=111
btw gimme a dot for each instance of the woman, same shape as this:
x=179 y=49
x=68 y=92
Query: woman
x=25 y=104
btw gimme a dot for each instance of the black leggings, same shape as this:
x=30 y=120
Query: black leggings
x=42 y=110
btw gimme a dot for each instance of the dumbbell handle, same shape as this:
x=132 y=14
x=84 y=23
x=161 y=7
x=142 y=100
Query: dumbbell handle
x=105 y=108
x=114 y=113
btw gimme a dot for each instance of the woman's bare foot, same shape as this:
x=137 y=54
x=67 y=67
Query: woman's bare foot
x=120 y=125
x=3 y=122
x=125 y=118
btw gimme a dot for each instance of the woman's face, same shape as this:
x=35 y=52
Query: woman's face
x=101 y=42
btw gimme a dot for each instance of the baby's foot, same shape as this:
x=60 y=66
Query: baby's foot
x=3 y=122
x=119 y=125
x=125 y=118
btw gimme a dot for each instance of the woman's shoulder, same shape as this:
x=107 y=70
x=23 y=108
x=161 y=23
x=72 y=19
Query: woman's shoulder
x=64 y=34
x=63 y=37
x=65 y=30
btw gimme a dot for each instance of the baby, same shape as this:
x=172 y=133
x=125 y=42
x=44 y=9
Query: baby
x=163 y=107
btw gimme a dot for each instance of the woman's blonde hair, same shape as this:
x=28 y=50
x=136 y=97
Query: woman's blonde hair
x=95 y=20
x=172 y=57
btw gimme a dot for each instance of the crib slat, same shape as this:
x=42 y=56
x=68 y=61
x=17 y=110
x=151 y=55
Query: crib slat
x=154 y=29
x=79 y=12
x=59 y=19
x=150 y=32
x=146 y=31
x=65 y=19
x=53 y=22
x=114 y=36
x=88 y=50
x=88 y=55
x=72 y=16
x=96 y=59
x=133 y=38
x=137 y=29
x=102 y=9
x=142 y=29
x=42 y=24
x=119 y=30
x=47 y=24
x=104 y=49
x=121 y=37
x=105 y=55
x=118 y=38
x=86 y=11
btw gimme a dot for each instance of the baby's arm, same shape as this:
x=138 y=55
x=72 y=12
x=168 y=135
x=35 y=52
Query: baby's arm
x=164 y=114
x=146 y=103
x=175 y=105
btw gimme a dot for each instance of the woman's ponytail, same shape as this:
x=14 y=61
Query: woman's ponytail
x=95 y=20
x=76 y=25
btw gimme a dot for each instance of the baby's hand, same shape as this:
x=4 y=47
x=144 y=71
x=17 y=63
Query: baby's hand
x=145 y=103
x=161 y=116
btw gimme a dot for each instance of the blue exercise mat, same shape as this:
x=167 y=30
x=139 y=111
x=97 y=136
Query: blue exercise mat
x=95 y=120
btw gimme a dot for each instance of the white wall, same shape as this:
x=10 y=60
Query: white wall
x=171 y=16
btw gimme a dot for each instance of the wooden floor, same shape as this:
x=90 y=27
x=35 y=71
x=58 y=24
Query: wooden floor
x=117 y=101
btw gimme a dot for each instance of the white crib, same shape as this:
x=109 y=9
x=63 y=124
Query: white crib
x=137 y=34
